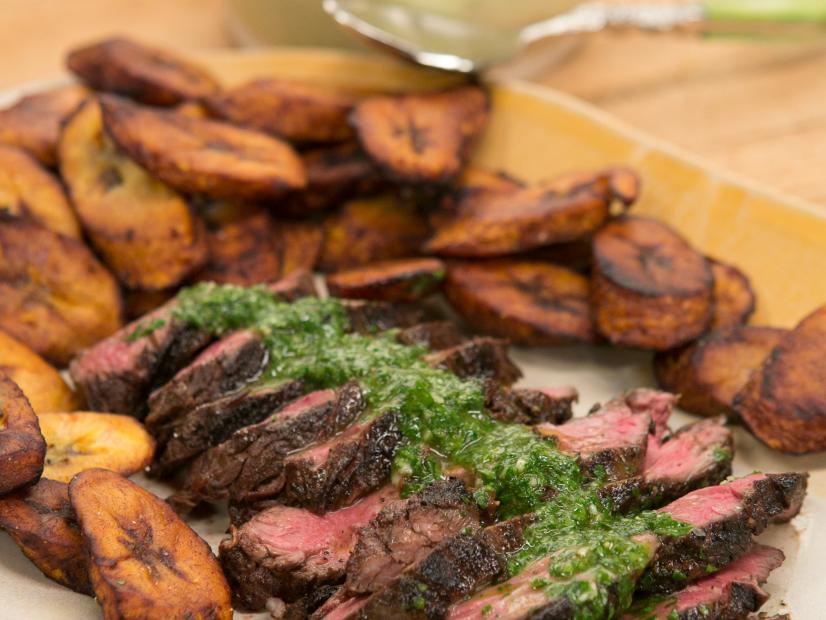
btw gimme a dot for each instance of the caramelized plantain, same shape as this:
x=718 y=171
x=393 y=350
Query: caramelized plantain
x=299 y=245
x=501 y=221
x=367 y=230
x=144 y=231
x=421 y=138
x=296 y=111
x=83 y=439
x=193 y=109
x=55 y=296
x=709 y=372
x=41 y=522
x=144 y=561
x=33 y=123
x=405 y=280
x=650 y=289
x=39 y=380
x=29 y=192
x=784 y=401
x=148 y=74
x=138 y=302
x=22 y=447
x=528 y=302
x=243 y=249
x=471 y=185
x=733 y=296
x=201 y=156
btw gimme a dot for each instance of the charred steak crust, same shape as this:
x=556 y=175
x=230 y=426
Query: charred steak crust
x=222 y=368
x=528 y=406
x=371 y=317
x=210 y=424
x=434 y=335
x=719 y=539
x=478 y=358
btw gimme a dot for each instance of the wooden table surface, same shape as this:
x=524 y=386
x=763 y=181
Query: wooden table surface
x=755 y=108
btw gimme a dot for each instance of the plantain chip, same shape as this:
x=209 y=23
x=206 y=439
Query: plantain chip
x=296 y=111
x=404 y=280
x=709 y=372
x=41 y=522
x=138 y=302
x=650 y=288
x=144 y=561
x=144 y=73
x=784 y=401
x=33 y=122
x=39 y=380
x=421 y=138
x=144 y=231
x=55 y=296
x=22 y=447
x=734 y=298
x=200 y=156
x=368 y=230
x=528 y=302
x=299 y=245
x=29 y=192
x=83 y=440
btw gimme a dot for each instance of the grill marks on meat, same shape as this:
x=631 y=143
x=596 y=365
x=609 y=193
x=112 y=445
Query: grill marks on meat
x=725 y=517
x=220 y=369
x=529 y=406
x=253 y=456
x=732 y=592
x=480 y=358
x=212 y=423
x=287 y=551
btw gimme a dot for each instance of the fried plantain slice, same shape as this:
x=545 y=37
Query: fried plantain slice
x=473 y=183
x=405 y=280
x=734 y=298
x=201 y=156
x=650 y=289
x=138 y=302
x=41 y=522
x=144 y=73
x=300 y=112
x=299 y=245
x=243 y=248
x=22 y=447
x=27 y=191
x=528 y=302
x=709 y=372
x=421 y=138
x=55 y=296
x=39 y=380
x=372 y=229
x=784 y=401
x=501 y=221
x=193 y=109
x=144 y=561
x=33 y=123
x=144 y=231
x=83 y=440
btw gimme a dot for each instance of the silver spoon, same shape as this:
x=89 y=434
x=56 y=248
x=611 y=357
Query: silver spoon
x=437 y=39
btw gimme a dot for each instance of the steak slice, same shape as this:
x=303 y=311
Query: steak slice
x=286 y=552
x=611 y=442
x=478 y=358
x=254 y=454
x=299 y=283
x=212 y=423
x=220 y=369
x=732 y=592
x=529 y=406
x=433 y=335
x=518 y=598
x=117 y=373
x=725 y=517
x=372 y=317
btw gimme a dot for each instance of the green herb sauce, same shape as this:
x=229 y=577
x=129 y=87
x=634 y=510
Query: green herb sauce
x=444 y=424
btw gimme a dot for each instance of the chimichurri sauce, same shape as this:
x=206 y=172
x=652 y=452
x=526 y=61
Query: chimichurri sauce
x=595 y=560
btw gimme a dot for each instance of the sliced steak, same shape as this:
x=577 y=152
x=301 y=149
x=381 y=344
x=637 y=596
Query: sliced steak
x=611 y=442
x=725 y=517
x=731 y=593
x=254 y=455
x=287 y=552
x=117 y=374
x=478 y=358
x=212 y=423
x=299 y=283
x=433 y=335
x=529 y=406
x=406 y=531
x=657 y=404
x=519 y=599
x=222 y=368
x=372 y=317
